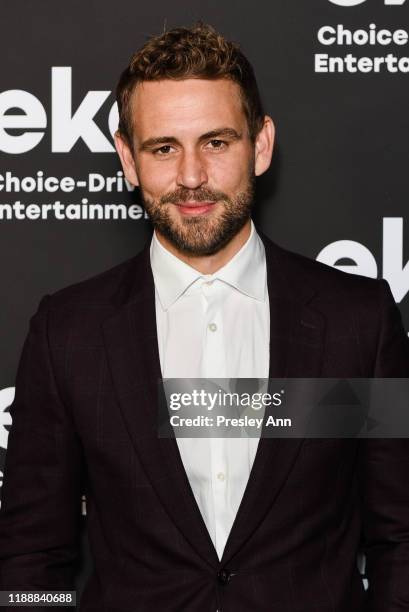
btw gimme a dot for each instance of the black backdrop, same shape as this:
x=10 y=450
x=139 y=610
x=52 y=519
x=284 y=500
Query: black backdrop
x=337 y=188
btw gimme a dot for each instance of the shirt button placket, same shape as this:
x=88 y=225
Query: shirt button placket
x=214 y=357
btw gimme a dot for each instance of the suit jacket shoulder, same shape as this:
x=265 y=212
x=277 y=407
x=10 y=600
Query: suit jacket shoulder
x=298 y=269
x=356 y=311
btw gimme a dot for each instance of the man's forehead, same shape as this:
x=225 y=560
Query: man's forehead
x=181 y=86
x=194 y=99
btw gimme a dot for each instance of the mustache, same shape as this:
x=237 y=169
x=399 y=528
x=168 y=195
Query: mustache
x=197 y=195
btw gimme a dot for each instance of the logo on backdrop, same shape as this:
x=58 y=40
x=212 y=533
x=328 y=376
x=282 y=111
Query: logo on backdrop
x=6 y=399
x=375 y=37
x=356 y=2
x=66 y=126
x=361 y=260
x=24 y=120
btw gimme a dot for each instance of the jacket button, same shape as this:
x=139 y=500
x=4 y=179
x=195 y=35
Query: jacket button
x=224 y=576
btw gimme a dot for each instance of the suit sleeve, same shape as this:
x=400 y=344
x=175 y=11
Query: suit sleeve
x=41 y=497
x=384 y=480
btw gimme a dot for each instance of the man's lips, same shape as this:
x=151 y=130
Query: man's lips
x=192 y=204
x=195 y=208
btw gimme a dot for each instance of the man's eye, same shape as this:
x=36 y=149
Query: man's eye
x=163 y=150
x=217 y=144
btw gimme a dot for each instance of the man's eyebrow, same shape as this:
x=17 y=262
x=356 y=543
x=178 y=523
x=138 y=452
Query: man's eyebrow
x=148 y=144
x=226 y=132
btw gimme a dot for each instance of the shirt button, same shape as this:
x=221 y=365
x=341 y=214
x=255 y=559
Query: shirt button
x=221 y=476
x=209 y=283
x=212 y=326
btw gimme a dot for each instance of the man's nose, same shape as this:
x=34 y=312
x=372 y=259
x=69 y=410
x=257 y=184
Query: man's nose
x=191 y=171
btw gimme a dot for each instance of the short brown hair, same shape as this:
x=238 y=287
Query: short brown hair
x=195 y=52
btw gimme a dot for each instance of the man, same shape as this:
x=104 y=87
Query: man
x=213 y=524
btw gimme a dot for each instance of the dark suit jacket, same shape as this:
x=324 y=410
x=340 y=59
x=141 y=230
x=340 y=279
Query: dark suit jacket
x=84 y=418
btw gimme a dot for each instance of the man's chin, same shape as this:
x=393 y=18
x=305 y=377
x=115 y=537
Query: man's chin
x=200 y=245
x=199 y=234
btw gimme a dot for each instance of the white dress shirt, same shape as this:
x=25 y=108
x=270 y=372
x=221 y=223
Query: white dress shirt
x=214 y=326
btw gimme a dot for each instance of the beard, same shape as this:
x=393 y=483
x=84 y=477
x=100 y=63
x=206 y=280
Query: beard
x=202 y=234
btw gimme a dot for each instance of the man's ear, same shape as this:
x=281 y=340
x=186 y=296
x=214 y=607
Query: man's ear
x=126 y=157
x=264 y=146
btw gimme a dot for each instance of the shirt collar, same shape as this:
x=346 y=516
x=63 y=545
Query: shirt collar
x=246 y=271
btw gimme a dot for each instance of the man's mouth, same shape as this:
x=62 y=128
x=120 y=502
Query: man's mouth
x=195 y=208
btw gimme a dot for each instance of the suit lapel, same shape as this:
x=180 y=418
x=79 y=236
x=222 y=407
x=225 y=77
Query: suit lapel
x=131 y=344
x=130 y=336
x=296 y=350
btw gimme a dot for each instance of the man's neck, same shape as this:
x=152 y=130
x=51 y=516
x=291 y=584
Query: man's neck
x=208 y=264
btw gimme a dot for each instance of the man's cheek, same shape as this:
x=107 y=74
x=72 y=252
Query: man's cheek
x=229 y=168
x=229 y=182
x=160 y=180
x=157 y=188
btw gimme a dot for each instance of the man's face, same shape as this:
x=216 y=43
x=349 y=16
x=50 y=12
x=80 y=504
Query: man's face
x=193 y=160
